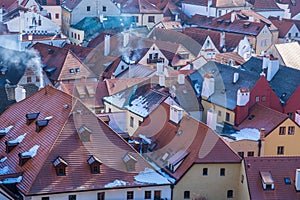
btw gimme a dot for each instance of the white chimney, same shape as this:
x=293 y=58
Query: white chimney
x=297 y=180
x=266 y=61
x=30 y=37
x=243 y=96
x=208 y=86
x=160 y=68
x=251 y=19
x=222 y=39
x=1 y=14
x=162 y=80
x=211 y=120
x=297 y=117
x=181 y=79
x=209 y=4
x=235 y=77
x=125 y=39
x=272 y=68
x=20 y=93
x=176 y=113
x=106 y=45
x=233 y=14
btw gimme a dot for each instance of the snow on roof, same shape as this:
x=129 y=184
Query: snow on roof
x=116 y=183
x=11 y=180
x=5 y=130
x=4 y=170
x=247 y=134
x=31 y=152
x=148 y=140
x=139 y=106
x=18 y=139
x=116 y=99
x=157 y=168
x=49 y=117
x=150 y=176
x=3 y=159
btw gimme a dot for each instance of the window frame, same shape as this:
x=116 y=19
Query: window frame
x=229 y=194
x=205 y=171
x=72 y=197
x=148 y=194
x=280 y=150
x=282 y=130
x=291 y=130
x=250 y=154
x=130 y=195
x=88 y=8
x=186 y=194
x=151 y=19
x=222 y=171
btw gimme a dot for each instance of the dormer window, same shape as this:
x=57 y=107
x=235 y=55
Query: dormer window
x=267 y=180
x=84 y=133
x=4 y=131
x=40 y=124
x=24 y=157
x=10 y=145
x=30 y=117
x=94 y=164
x=60 y=166
x=175 y=161
x=130 y=162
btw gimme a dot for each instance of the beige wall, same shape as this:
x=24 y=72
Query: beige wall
x=263 y=40
x=136 y=122
x=143 y=19
x=245 y=146
x=76 y=32
x=290 y=142
x=212 y=186
x=65 y=20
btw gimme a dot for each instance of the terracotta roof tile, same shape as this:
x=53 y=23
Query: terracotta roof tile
x=283 y=27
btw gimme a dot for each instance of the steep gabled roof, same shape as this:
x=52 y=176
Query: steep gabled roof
x=289 y=54
x=138 y=7
x=294 y=6
x=266 y=5
x=66 y=115
x=218 y=3
x=190 y=141
x=283 y=26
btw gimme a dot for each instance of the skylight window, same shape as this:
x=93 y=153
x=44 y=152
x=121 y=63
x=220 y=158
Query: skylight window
x=287 y=181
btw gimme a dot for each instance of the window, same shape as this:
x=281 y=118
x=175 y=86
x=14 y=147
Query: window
x=71 y=71
x=72 y=35
x=242 y=179
x=37 y=79
x=222 y=172
x=61 y=171
x=250 y=153
x=147 y=195
x=291 y=115
x=296 y=34
x=136 y=19
x=130 y=195
x=280 y=150
x=78 y=37
x=151 y=19
x=205 y=172
x=104 y=8
x=29 y=79
x=131 y=121
x=88 y=8
x=219 y=113
x=287 y=181
x=72 y=197
x=45 y=198
x=291 y=130
x=157 y=194
x=227 y=116
x=289 y=35
x=56 y=15
x=186 y=195
x=263 y=98
x=282 y=130
x=77 y=70
x=229 y=193
x=122 y=67
x=257 y=99
x=100 y=195
x=241 y=154
x=75 y=35
x=220 y=13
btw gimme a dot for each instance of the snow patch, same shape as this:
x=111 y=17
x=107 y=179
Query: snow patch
x=48 y=118
x=148 y=140
x=11 y=180
x=32 y=152
x=139 y=106
x=150 y=176
x=5 y=130
x=3 y=159
x=116 y=183
x=116 y=99
x=4 y=170
x=247 y=134
x=157 y=168
x=18 y=139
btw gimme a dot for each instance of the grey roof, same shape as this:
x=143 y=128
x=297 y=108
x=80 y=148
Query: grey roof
x=285 y=81
x=225 y=90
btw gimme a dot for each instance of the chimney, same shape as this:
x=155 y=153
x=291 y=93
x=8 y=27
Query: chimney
x=209 y=4
x=262 y=134
x=243 y=97
x=233 y=14
x=1 y=14
x=125 y=39
x=162 y=80
x=181 y=79
x=222 y=39
x=211 y=120
x=160 y=68
x=30 y=37
x=208 y=86
x=273 y=68
x=235 y=77
x=106 y=45
x=297 y=180
x=251 y=19
x=20 y=93
x=176 y=114
x=297 y=117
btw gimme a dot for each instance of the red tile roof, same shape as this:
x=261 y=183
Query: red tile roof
x=80 y=51
x=263 y=117
x=225 y=58
x=264 y=5
x=138 y=7
x=218 y=3
x=50 y=2
x=192 y=138
x=293 y=7
x=283 y=26
x=60 y=138
x=279 y=168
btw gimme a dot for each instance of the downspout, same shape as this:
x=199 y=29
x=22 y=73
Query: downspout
x=259 y=147
x=172 y=188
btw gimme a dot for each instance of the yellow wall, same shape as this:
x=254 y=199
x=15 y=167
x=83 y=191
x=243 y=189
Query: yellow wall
x=136 y=122
x=207 y=105
x=290 y=142
x=212 y=186
x=266 y=35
